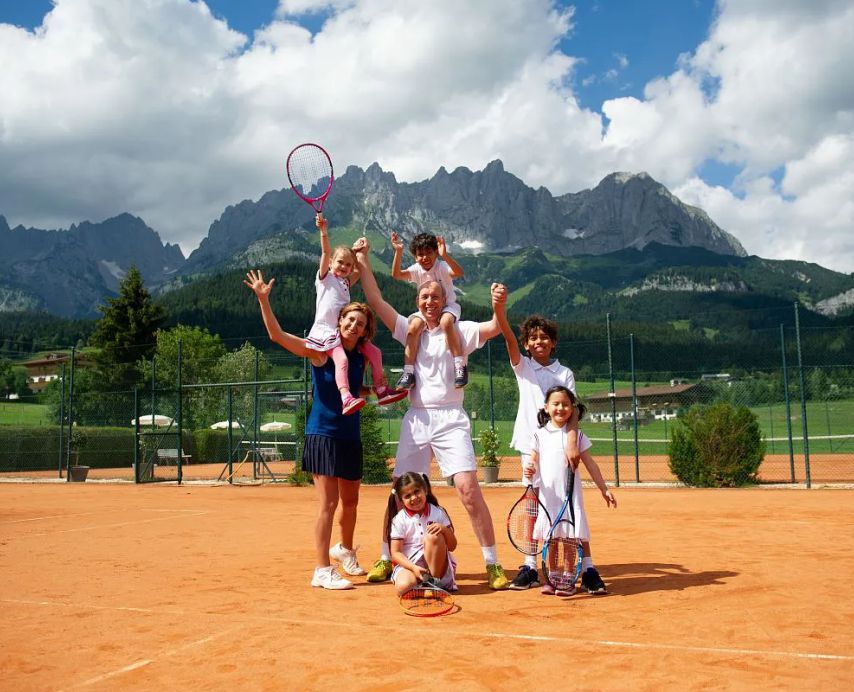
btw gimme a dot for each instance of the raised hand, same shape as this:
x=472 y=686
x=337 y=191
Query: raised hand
x=396 y=242
x=443 y=250
x=321 y=223
x=499 y=294
x=361 y=245
x=256 y=283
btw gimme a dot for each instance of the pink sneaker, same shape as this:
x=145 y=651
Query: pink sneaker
x=565 y=592
x=547 y=590
x=351 y=404
x=386 y=395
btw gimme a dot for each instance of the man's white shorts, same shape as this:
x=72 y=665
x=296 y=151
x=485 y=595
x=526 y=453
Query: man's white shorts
x=441 y=432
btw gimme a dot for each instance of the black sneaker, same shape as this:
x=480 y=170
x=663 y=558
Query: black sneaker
x=591 y=582
x=406 y=381
x=461 y=376
x=525 y=578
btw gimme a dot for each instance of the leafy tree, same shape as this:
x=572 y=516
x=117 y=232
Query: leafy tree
x=125 y=333
x=201 y=352
x=200 y=355
x=13 y=380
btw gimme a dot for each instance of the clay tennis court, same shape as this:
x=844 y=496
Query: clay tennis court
x=118 y=586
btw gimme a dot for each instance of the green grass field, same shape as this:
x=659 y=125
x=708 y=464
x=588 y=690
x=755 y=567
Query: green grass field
x=21 y=413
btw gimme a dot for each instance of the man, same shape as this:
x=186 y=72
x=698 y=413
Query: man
x=436 y=423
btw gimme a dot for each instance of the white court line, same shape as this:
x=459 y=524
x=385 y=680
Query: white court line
x=113 y=673
x=403 y=627
x=88 y=514
x=108 y=526
x=51 y=516
x=147 y=661
x=679 y=647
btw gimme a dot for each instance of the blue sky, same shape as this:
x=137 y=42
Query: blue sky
x=108 y=108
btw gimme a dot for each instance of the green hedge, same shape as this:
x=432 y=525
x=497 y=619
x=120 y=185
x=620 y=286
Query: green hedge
x=28 y=448
x=25 y=448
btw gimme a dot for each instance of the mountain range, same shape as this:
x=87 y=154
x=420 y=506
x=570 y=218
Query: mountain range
x=624 y=239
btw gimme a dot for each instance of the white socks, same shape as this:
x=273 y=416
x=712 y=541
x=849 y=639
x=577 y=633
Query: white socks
x=490 y=554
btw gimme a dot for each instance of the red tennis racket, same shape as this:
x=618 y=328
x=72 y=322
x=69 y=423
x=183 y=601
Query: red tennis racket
x=310 y=174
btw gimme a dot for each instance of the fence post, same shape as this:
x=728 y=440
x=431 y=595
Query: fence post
x=491 y=389
x=179 y=412
x=788 y=403
x=70 y=414
x=803 y=400
x=634 y=404
x=256 y=424
x=61 y=415
x=612 y=394
x=230 y=399
x=136 y=434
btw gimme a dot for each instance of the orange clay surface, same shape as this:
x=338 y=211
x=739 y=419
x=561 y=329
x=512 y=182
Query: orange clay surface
x=200 y=587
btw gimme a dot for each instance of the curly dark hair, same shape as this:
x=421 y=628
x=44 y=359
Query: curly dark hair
x=424 y=241
x=535 y=322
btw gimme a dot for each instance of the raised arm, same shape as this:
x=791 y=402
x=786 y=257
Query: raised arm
x=509 y=336
x=499 y=302
x=396 y=263
x=325 y=248
x=387 y=314
x=457 y=271
x=255 y=280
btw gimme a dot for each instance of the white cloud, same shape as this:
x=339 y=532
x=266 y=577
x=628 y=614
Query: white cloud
x=157 y=108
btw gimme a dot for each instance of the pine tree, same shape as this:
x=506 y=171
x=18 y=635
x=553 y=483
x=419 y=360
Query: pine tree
x=125 y=333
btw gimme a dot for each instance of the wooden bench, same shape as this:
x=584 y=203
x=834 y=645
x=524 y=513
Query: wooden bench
x=168 y=456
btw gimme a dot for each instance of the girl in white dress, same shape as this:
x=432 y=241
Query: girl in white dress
x=421 y=535
x=336 y=274
x=549 y=457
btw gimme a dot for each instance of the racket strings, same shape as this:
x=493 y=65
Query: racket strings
x=562 y=561
x=309 y=170
x=425 y=600
x=520 y=524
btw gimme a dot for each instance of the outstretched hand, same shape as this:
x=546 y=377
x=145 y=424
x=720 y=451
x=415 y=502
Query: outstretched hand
x=396 y=242
x=257 y=284
x=610 y=500
x=321 y=223
x=499 y=294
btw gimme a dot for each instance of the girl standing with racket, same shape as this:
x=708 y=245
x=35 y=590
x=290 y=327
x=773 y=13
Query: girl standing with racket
x=550 y=460
x=421 y=535
x=336 y=274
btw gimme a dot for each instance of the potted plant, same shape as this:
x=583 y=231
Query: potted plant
x=489 y=460
x=79 y=439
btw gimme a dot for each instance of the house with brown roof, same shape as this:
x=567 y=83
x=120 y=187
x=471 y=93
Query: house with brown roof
x=42 y=371
x=659 y=402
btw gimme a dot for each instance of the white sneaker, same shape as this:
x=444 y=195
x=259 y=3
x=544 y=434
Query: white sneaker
x=348 y=560
x=328 y=578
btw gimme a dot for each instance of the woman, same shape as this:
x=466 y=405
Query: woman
x=333 y=448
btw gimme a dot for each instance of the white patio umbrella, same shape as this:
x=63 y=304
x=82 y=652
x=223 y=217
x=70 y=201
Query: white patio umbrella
x=275 y=426
x=157 y=420
x=223 y=425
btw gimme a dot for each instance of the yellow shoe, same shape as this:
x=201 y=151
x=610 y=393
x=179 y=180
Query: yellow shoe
x=380 y=571
x=495 y=577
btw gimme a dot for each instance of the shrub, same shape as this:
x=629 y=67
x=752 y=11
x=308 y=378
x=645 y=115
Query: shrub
x=717 y=446
x=489 y=446
x=374 y=448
